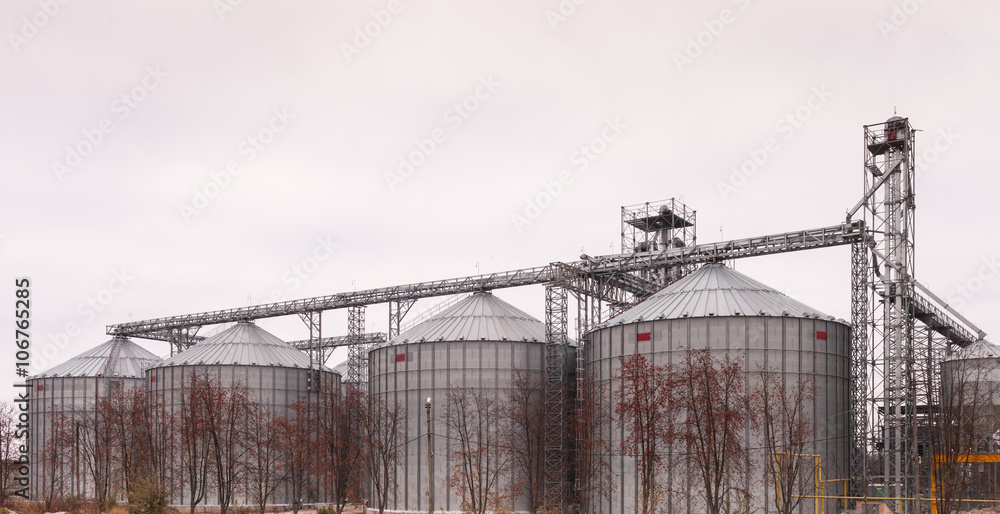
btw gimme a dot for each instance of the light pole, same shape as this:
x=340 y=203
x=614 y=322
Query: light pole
x=430 y=464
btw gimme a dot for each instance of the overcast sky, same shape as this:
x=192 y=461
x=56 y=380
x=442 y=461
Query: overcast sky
x=189 y=156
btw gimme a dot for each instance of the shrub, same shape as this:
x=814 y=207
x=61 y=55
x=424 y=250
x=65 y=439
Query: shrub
x=148 y=497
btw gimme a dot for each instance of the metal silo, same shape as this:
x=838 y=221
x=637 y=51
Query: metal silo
x=970 y=380
x=476 y=343
x=275 y=374
x=727 y=312
x=69 y=393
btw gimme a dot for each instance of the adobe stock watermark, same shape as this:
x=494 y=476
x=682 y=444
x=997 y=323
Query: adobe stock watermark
x=965 y=291
x=224 y=7
x=580 y=160
x=901 y=14
x=32 y=25
x=248 y=149
x=713 y=29
x=92 y=138
x=297 y=273
x=562 y=12
x=366 y=33
x=945 y=139
x=786 y=127
x=453 y=118
x=87 y=311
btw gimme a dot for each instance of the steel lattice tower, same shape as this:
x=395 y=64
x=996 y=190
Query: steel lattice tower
x=888 y=323
x=357 y=371
x=556 y=343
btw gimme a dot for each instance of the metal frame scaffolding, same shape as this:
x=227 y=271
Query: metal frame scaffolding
x=556 y=344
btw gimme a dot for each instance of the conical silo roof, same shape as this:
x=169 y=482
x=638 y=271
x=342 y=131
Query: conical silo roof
x=130 y=362
x=243 y=344
x=981 y=349
x=480 y=317
x=715 y=290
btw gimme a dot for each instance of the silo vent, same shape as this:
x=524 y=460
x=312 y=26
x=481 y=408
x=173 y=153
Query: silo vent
x=762 y=313
x=711 y=313
x=683 y=315
x=784 y=313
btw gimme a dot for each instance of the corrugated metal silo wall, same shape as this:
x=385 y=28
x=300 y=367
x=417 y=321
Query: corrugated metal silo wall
x=278 y=387
x=429 y=369
x=975 y=382
x=787 y=343
x=68 y=398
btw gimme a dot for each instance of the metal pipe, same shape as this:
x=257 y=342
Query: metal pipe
x=430 y=463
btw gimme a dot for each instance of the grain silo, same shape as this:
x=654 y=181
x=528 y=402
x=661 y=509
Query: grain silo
x=476 y=343
x=728 y=313
x=970 y=380
x=62 y=403
x=276 y=375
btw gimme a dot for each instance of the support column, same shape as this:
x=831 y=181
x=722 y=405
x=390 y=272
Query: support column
x=397 y=310
x=556 y=342
x=859 y=369
x=357 y=374
x=317 y=354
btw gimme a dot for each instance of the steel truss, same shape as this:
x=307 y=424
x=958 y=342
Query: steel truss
x=887 y=209
x=317 y=354
x=357 y=358
x=606 y=270
x=329 y=343
x=556 y=345
x=398 y=310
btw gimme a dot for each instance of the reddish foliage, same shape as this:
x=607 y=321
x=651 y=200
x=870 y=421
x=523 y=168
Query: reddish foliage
x=642 y=406
x=716 y=406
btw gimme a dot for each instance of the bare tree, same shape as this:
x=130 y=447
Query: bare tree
x=195 y=440
x=297 y=445
x=140 y=435
x=524 y=436
x=383 y=437
x=642 y=406
x=93 y=440
x=8 y=449
x=54 y=458
x=590 y=458
x=265 y=471
x=226 y=411
x=965 y=424
x=713 y=400
x=786 y=429
x=475 y=417
x=341 y=424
